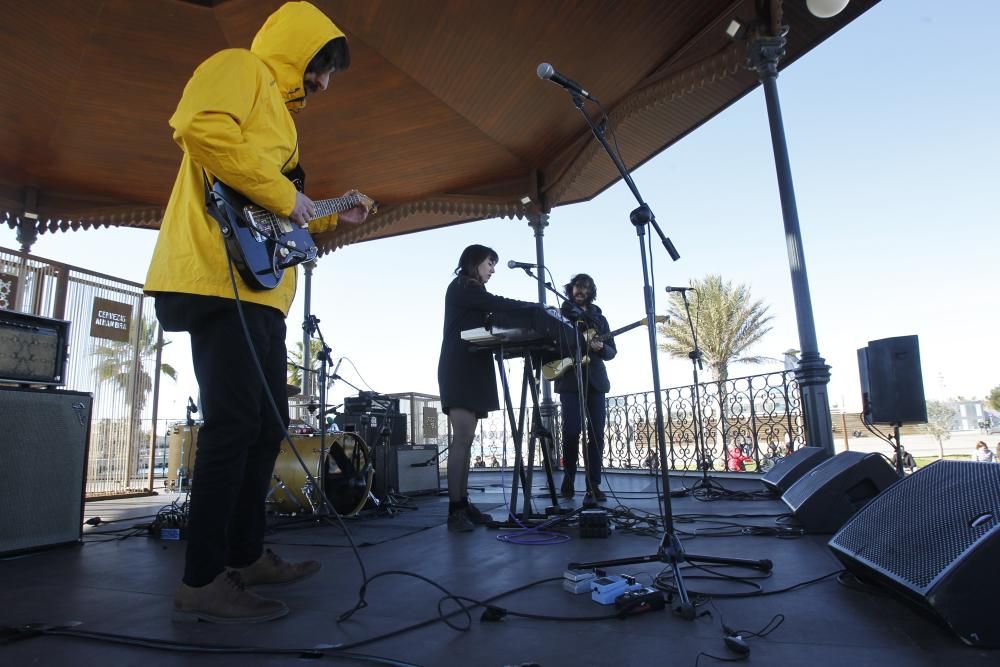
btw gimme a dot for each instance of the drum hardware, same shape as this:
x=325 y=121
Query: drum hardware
x=278 y=484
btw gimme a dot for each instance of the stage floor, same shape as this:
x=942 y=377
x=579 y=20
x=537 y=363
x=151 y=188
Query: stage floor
x=119 y=585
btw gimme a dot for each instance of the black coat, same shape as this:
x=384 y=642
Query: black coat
x=595 y=373
x=466 y=377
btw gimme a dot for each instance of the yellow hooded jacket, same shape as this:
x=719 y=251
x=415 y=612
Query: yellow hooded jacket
x=234 y=121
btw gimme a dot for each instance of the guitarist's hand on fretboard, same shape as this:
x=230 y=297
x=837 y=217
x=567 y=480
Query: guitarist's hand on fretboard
x=356 y=215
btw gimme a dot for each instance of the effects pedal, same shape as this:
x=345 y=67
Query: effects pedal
x=605 y=590
x=641 y=600
x=578 y=581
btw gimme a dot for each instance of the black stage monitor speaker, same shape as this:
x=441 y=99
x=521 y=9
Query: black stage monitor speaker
x=831 y=493
x=892 y=385
x=788 y=469
x=934 y=539
x=43 y=463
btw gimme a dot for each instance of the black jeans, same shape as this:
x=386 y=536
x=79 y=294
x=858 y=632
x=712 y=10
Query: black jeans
x=241 y=435
x=572 y=425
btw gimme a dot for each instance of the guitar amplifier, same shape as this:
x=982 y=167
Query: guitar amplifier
x=33 y=349
x=43 y=467
x=411 y=470
x=370 y=402
x=369 y=426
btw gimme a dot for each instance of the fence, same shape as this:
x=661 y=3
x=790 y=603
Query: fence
x=114 y=344
x=760 y=414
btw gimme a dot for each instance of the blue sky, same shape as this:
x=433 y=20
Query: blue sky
x=894 y=149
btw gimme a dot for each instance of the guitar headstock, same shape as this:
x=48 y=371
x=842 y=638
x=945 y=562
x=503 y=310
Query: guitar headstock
x=368 y=203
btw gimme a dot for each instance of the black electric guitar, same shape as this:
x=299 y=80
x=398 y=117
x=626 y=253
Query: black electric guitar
x=556 y=369
x=262 y=244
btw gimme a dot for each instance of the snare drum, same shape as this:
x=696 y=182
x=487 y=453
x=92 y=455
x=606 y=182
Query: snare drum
x=293 y=491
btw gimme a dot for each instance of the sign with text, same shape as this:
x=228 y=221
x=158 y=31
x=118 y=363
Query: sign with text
x=111 y=320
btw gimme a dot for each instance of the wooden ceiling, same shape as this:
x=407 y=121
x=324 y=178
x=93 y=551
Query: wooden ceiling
x=441 y=116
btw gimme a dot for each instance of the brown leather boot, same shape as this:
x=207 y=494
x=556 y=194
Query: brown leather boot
x=271 y=568
x=224 y=600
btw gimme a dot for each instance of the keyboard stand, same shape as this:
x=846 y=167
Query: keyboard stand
x=523 y=475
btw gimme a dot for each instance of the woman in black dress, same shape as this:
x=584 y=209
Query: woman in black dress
x=466 y=377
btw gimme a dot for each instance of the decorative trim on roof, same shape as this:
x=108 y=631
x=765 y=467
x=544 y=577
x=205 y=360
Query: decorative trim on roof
x=454 y=206
x=720 y=66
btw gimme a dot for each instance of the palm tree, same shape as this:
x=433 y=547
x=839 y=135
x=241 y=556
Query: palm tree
x=121 y=365
x=295 y=361
x=727 y=320
x=116 y=363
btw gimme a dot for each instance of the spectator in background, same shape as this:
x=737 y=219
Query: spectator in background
x=493 y=461
x=736 y=460
x=997 y=457
x=983 y=453
x=479 y=462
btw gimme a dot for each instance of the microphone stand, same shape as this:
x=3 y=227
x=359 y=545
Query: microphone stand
x=670 y=551
x=699 y=423
x=311 y=326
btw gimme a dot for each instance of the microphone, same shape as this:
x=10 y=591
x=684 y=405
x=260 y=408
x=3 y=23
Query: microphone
x=681 y=289
x=549 y=73
x=191 y=406
x=520 y=265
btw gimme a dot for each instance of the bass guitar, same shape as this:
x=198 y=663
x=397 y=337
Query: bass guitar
x=262 y=244
x=556 y=369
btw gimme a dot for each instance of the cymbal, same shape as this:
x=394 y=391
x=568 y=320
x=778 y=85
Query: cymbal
x=293 y=390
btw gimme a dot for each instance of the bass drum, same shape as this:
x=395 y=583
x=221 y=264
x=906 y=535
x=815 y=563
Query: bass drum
x=347 y=483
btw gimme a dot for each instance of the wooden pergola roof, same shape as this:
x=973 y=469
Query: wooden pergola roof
x=441 y=116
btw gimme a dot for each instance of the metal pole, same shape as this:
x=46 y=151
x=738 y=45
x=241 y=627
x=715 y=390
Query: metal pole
x=306 y=356
x=538 y=222
x=812 y=373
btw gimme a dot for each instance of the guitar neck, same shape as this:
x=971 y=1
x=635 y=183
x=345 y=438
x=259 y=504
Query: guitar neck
x=325 y=207
x=612 y=334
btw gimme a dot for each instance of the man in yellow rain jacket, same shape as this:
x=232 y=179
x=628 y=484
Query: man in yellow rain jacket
x=234 y=124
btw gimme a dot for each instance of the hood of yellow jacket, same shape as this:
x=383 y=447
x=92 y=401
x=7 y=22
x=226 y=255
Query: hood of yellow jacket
x=287 y=41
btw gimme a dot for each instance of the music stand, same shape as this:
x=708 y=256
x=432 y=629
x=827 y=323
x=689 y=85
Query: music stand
x=670 y=550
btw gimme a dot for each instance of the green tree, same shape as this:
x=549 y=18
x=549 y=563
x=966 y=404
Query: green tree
x=116 y=364
x=940 y=417
x=728 y=321
x=993 y=398
x=121 y=364
x=295 y=361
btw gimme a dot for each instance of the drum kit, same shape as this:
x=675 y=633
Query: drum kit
x=340 y=467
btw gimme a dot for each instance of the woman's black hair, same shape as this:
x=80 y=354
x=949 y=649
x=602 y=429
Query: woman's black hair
x=334 y=56
x=471 y=258
x=586 y=280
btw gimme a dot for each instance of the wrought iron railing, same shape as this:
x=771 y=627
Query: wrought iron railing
x=761 y=415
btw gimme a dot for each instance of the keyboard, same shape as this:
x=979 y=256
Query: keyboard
x=532 y=330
